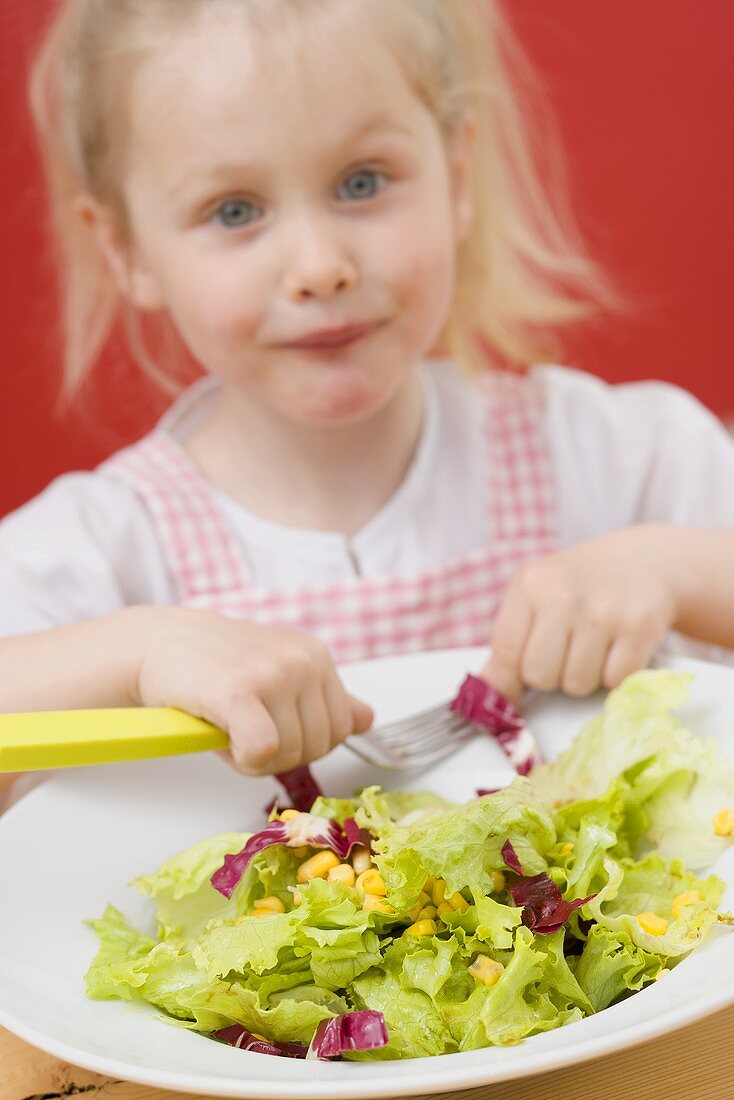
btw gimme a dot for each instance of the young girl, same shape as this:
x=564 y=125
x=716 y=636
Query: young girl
x=333 y=206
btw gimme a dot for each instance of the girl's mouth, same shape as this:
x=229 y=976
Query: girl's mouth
x=332 y=339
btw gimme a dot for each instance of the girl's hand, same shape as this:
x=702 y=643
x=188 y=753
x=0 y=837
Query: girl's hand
x=587 y=616
x=274 y=691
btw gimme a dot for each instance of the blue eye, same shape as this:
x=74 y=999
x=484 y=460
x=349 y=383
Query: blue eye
x=363 y=184
x=235 y=213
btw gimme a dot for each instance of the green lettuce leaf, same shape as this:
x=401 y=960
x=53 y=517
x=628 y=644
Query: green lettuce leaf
x=650 y=885
x=672 y=781
x=181 y=889
x=537 y=992
x=611 y=966
x=460 y=846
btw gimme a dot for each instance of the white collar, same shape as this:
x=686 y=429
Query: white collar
x=191 y=408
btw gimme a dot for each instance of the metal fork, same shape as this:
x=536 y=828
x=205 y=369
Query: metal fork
x=423 y=738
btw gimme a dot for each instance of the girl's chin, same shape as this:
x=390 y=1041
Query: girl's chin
x=339 y=399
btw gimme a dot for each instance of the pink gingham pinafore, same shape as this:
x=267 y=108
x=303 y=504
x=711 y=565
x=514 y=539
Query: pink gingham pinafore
x=448 y=605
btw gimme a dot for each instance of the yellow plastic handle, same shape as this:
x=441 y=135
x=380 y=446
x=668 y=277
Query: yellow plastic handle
x=70 y=738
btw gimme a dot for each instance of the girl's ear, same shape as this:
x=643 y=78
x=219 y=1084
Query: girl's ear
x=132 y=278
x=461 y=157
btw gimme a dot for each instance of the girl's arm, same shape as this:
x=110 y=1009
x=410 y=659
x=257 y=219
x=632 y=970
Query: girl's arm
x=89 y=664
x=274 y=691
x=701 y=563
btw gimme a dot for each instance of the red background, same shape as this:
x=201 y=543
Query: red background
x=643 y=92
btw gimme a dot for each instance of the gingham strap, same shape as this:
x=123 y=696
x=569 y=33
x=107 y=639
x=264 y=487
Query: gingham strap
x=451 y=605
x=203 y=556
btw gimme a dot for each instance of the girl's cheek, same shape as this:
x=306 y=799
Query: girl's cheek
x=216 y=307
x=424 y=280
x=419 y=254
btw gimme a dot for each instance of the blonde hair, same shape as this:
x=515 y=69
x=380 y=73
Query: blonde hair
x=522 y=274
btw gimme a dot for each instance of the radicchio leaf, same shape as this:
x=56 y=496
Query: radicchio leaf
x=485 y=706
x=301 y=830
x=301 y=787
x=511 y=858
x=544 y=908
x=238 y=1036
x=351 y=1031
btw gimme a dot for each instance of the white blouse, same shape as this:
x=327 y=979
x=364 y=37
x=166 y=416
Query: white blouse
x=624 y=454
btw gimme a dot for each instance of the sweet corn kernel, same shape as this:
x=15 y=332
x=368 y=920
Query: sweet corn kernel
x=652 y=923
x=272 y=904
x=422 y=928
x=288 y=815
x=429 y=912
x=438 y=893
x=567 y=847
x=317 y=866
x=724 y=822
x=371 y=882
x=302 y=852
x=361 y=859
x=429 y=884
x=444 y=908
x=371 y=901
x=456 y=901
x=264 y=913
x=688 y=897
x=498 y=879
x=486 y=970
x=424 y=899
x=343 y=873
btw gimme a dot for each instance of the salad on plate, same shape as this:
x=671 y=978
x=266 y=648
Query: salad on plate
x=401 y=925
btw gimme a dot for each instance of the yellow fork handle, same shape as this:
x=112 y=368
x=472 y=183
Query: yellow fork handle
x=70 y=738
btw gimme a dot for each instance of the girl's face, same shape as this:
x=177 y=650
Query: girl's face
x=298 y=220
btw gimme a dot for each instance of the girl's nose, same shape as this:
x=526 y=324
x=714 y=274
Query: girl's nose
x=318 y=266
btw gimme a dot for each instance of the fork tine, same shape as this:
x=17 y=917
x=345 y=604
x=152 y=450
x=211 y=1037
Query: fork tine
x=372 y=752
x=417 y=729
x=416 y=741
x=409 y=723
x=447 y=737
x=444 y=728
x=364 y=746
x=447 y=749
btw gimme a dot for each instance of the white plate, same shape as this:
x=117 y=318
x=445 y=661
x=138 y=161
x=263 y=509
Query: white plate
x=73 y=843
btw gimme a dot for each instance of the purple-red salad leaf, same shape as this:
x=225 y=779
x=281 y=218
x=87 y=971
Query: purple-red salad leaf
x=511 y=858
x=301 y=830
x=355 y=836
x=352 y=1031
x=544 y=908
x=485 y=706
x=301 y=787
x=238 y=1036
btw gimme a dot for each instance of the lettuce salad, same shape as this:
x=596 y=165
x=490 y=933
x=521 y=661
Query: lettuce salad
x=400 y=925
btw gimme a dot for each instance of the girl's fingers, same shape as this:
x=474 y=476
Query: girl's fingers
x=362 y=715
x=585 y=659
x=254 y=738
x=503 y=670
x=339 y=705
x=627 y=654
x=544 y=654
x=315 y=722
x=286 y=718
